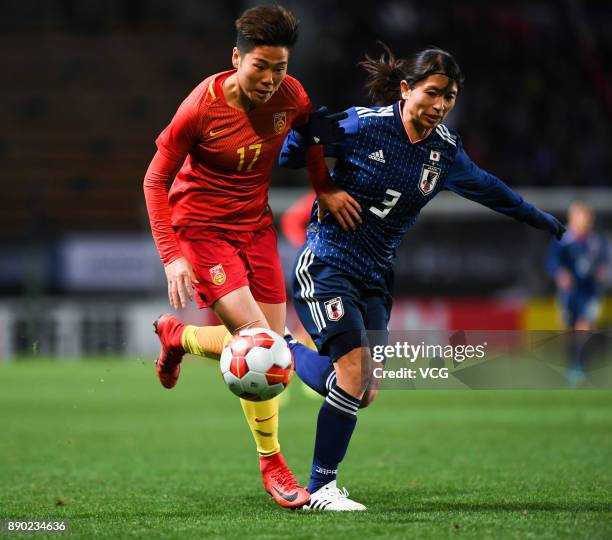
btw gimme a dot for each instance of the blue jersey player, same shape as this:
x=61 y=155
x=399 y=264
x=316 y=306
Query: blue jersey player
x=393 y=160
x=578 y=263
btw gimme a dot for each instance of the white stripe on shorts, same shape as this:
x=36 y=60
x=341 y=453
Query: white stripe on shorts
x=307 y=287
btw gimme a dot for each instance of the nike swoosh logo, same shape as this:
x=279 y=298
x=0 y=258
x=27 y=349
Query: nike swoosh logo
x=264 y=419
x=213 y=133
x=288 y=498
x=263 y=433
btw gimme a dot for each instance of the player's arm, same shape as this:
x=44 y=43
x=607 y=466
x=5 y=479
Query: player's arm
x=340 y=204
x=300 y=149
x=470 y=181
x=556 y=268
x=173 y=146
x=296 y=144
x=179 y=273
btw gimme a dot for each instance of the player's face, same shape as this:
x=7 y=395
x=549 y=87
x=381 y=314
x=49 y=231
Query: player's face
x=260 y=71
x=580 y=219
x=429 y=101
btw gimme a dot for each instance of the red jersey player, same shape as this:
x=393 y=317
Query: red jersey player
x=214 y=229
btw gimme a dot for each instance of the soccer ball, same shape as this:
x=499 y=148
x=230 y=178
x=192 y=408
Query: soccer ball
x=256 y=364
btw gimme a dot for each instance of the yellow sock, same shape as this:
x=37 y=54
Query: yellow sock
x=262 y=417
x=205 y=340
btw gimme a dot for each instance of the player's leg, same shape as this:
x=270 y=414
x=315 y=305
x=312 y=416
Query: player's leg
x=207 y=341
x=220 y=270
x=335 y=426
x=267 y=286
x=585 y=309
x=315 y=371
x=210 y=340
x=239 y=310
x=378 y=301
x=338 y=414
x=223 y=284
x=177 y=338
x=328 y=306
x=569 y=306
x=275 y=314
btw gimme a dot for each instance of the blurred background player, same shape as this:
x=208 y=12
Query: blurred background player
x=393 y=160
x=295 y=219
x=214 y=229
x=578 y=264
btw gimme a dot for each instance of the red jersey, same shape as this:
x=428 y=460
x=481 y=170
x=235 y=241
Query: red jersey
x=228 y=153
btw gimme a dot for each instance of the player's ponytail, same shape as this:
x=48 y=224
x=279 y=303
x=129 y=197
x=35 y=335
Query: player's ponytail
x=385 y=74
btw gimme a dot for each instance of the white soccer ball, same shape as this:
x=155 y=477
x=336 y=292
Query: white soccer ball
x=256 y=364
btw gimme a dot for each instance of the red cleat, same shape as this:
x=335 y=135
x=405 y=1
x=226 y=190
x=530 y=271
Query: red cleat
x=280 y=483
x=170 y=331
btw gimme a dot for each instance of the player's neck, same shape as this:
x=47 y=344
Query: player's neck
x=415 y=132
x=580 y=235
x=234 y=96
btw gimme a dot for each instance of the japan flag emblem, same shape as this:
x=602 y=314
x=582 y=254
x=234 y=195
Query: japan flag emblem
x=429 y=178
x=334 y=309
x=218 y=274
x=280 y=121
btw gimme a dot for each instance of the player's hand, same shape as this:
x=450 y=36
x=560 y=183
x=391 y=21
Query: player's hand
x=181 y=279
x=549 y=223
x=342 y=206
x=323 y=127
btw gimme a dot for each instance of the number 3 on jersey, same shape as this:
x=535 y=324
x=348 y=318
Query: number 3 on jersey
x=387 y=203
x=242 y=153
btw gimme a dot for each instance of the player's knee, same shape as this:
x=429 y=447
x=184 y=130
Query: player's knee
x=353 y=371
x=368 y=398
x=256 y=323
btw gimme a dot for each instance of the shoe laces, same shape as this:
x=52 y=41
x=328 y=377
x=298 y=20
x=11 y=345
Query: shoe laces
x=340 y=493
x=284 y=477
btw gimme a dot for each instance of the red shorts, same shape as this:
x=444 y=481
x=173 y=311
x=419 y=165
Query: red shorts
x=224 y=261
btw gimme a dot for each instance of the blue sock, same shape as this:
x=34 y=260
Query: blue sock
x=335 y=425
x=316 y=371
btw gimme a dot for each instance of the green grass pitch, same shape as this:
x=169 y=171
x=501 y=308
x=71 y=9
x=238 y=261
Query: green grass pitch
x=101 y=444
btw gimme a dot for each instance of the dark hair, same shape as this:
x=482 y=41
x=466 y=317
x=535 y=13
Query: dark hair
x=387 y=72
x=266 y=25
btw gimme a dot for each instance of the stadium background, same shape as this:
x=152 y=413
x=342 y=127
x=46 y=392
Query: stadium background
x=87 y=86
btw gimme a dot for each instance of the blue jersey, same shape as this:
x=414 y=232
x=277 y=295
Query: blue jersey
x=393 y=179
x=582 y=258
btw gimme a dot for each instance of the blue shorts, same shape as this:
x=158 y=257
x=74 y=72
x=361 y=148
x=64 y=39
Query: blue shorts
x=578 y=307
x=338 y=310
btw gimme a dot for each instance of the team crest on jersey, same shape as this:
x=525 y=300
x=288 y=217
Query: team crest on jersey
x=334 y=309
x=280 y=121
x=429 y=178
x=218 y=274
